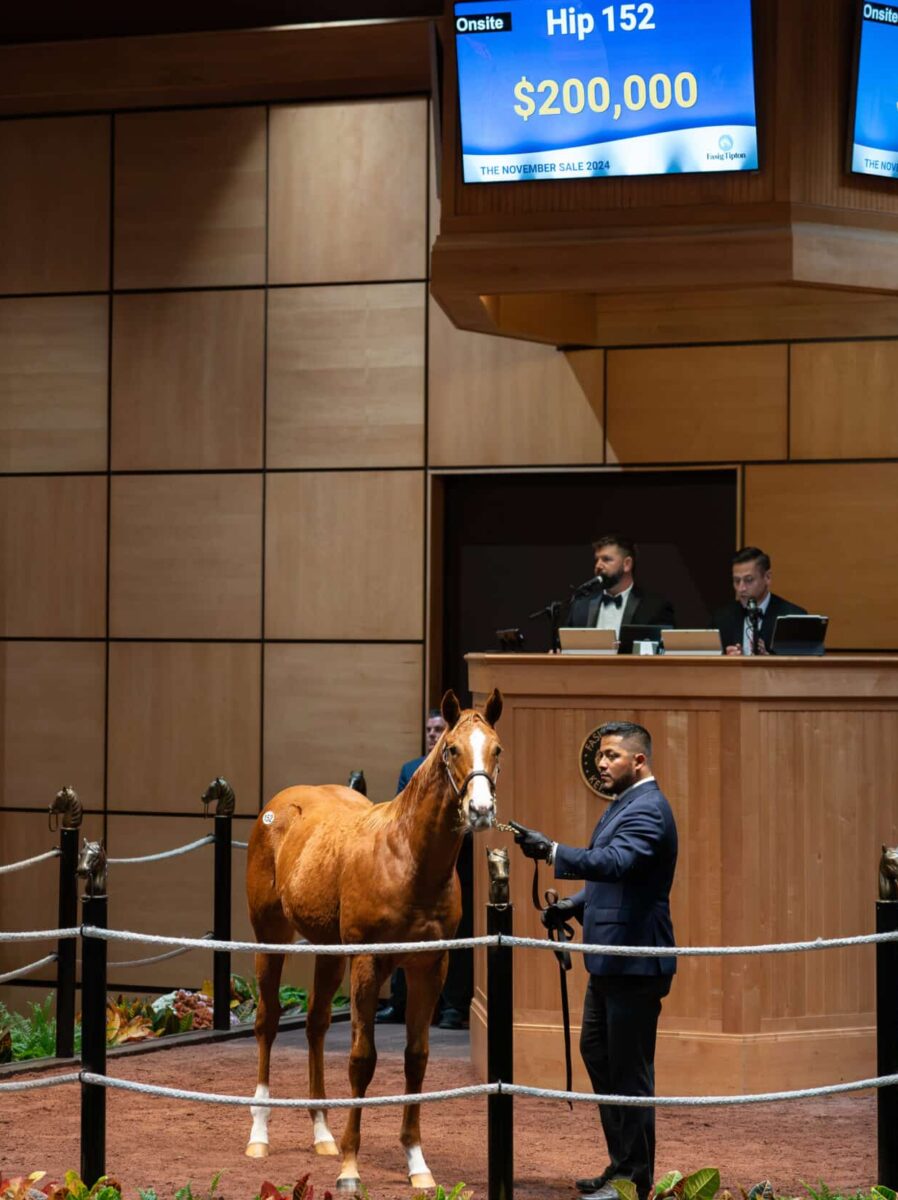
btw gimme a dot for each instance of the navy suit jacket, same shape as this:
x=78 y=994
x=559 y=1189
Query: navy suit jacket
x=640 y=609
x=629 y=869
x=406 y=771
x=730 y=619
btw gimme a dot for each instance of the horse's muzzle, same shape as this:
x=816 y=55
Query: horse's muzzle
x=480 y=819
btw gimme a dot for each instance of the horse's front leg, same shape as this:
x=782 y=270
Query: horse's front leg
x=425 y=983
x=367 y=975
x=329 y=970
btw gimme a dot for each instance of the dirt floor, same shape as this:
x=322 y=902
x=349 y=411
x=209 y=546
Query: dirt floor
x=167 y=1143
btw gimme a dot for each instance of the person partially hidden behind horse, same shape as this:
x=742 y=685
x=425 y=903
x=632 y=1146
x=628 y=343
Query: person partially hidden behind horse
x=629 y=869
x=327 y=863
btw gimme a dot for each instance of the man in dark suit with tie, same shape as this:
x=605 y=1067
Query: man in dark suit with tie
x=629 y=869
x=615 y=600
x=751 y=582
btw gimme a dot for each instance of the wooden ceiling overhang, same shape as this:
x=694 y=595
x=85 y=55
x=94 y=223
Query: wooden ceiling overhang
x=798 y=249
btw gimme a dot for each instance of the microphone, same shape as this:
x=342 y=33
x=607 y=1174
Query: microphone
x=751 y=604
x=597 y=581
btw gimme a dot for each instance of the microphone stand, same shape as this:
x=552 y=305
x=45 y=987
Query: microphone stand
x=553 y=612
x=554 y=608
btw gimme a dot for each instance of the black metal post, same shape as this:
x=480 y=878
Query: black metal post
x=66 y=949
x=93 y=1041
x=221 y=925
x=500 y=1053
x=887 y=1043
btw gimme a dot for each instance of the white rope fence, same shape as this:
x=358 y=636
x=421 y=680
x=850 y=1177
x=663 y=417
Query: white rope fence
x=29 y=968
x=497 y=939
x=479 y=1089
x=188 y=848
x=28 y=862
x=239 y=845
x=154 y=958
x=41 y=935
x=49 y=1081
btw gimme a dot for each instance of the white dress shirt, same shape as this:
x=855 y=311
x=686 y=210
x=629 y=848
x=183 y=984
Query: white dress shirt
x=746 y=628
x=610 y=616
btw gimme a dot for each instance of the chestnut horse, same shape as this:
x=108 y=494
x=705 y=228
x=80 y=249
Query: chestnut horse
x=326 y=862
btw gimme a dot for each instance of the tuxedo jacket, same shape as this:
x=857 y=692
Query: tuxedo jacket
x=730 y=619
x=640 y=609
x=629 y=869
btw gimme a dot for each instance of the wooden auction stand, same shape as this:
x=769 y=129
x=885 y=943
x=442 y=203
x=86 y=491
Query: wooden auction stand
x=782 y=776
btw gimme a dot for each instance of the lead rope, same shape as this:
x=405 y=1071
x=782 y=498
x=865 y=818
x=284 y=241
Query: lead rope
x=561 y=935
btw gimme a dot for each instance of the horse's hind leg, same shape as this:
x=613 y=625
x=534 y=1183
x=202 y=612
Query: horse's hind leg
x=329 y=970
x=424 y=986
x=367 y=976
x=268 y=974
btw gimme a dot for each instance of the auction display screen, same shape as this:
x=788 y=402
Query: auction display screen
x=565 y=91
x=874 y=141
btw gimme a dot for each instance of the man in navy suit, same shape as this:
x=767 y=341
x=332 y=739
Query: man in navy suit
x=615 y=600
x=629 y=869
x=751 y=581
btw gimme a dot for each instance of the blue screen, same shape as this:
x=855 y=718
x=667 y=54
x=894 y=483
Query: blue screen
x=874 y=148
x=586 y=88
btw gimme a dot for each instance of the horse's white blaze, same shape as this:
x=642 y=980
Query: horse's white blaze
x=480 y=803
x=320 y=1131
x=259 y=1132
x=416 y=1163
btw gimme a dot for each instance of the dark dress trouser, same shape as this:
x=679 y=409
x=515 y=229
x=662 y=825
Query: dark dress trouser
x=617 y=1043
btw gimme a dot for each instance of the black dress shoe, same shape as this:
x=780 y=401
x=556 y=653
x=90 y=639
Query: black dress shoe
x=594 y=1182
x=390 y=1016
x=452 y=1019
x=606 y=1192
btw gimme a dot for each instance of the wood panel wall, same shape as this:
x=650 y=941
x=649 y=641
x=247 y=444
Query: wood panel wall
x=223 y=399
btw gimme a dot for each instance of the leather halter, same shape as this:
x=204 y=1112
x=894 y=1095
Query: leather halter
x=462 y=789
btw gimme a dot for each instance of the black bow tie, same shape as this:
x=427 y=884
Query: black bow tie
x=607 y=598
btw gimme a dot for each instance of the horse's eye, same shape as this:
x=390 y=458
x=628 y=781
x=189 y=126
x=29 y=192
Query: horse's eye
x=453 y=750
x=497 y=751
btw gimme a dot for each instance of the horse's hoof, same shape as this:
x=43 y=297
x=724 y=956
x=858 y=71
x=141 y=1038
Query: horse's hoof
x=349 y=1183
x=422 y=1181
x=327 y=1147
x=257 y=1150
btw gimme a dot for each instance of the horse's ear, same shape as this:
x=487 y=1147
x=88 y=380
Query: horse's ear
x=493 y=710
x=450 y=708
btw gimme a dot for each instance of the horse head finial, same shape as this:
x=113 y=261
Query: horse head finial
x=219 y=789
x=497 y=862
x=65 y=804
x=92 y=867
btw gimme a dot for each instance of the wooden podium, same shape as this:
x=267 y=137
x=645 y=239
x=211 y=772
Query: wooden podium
x=783 y=776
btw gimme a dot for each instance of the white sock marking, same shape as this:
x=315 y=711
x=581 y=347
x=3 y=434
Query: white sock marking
x=416 y=1163
x=320 y=1131
x=260 y=1115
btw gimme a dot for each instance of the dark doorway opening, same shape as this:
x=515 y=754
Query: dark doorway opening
x=511 y=543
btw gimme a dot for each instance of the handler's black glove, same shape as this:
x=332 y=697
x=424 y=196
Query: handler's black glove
x=532 y=842
x=557 y=915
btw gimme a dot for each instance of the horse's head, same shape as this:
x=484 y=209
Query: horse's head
x=470 y=754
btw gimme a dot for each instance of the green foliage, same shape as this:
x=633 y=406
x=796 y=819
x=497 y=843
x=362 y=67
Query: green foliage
x=245 y=998
x=33 y=1035
x=625 y=1188
x=701 y=1184
x=187 y=1193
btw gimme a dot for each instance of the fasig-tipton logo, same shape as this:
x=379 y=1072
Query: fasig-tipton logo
x=499 y=22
